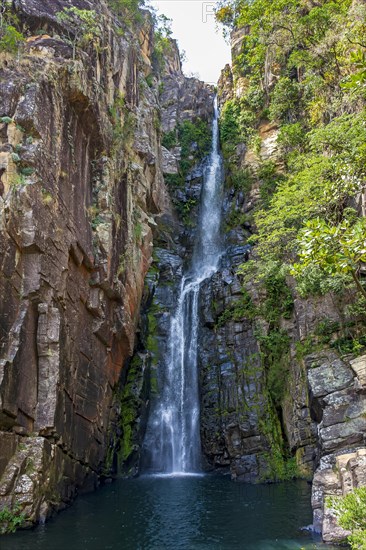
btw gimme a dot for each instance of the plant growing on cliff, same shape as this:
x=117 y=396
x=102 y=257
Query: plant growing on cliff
x=194 y=139
x=358 y=79
x=128 y=10
x=351 y=514
x=81 y=26
x=335 y=249
x=236 y=126
x=162 y=41
x=124 y=123
x=11 y=519
x=10 y=37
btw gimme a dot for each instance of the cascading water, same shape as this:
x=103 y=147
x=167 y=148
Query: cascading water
x=173 y=435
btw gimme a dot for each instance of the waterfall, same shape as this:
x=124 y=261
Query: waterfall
x=173 y=433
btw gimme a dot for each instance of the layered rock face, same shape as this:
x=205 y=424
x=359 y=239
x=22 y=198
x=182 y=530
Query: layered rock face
x=238 y=423
x=81 y=184
x=337 y=393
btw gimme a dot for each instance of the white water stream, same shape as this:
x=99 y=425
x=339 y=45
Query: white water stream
x=173 y=433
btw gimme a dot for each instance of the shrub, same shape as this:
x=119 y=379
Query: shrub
x=83 y=25
x=10 y=39
x=11 y=519
x=128 y=10
x=285 y=101
x=169 y=139
x=351 y=513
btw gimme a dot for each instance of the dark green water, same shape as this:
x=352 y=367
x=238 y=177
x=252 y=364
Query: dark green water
x=190 y=513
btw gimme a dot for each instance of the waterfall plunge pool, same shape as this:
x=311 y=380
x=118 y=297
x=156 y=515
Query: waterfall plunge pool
x=207 y=512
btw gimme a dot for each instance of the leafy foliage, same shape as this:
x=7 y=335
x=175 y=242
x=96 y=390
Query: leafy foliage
x=82 y=26
x=358 y=79
x=11 y=38
x=239 y=310
x=336 y=249
x=128 y=10
x=194 y=138
x=162 y=41
x=195 y=141
x=170 y=139
x=351 y=514
x=300 y=66
x=11 y=519
x=325 y=171
x=236 y=126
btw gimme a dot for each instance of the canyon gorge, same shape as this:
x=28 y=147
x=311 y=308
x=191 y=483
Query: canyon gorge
x=136 y=240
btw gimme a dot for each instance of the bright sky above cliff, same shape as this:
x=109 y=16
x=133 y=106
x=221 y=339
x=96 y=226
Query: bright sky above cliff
x=196 y=31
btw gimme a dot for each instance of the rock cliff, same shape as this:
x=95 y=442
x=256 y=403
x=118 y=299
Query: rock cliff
x=81 y=189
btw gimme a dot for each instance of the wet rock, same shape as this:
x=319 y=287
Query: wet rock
x=323 y=410
x=245 y=468
x=233 y=406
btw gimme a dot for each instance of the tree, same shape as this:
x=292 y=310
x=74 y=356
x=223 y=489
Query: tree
x=10 y=38
x=81 y=26
x=357 y=79
x=351 y=513
x=335 y=249
x=162 y=42
x=128 y=10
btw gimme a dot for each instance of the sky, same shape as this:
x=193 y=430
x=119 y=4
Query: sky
x=194 y=27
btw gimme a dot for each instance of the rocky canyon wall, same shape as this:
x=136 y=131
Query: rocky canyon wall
x=81 y=189
x=102 y=161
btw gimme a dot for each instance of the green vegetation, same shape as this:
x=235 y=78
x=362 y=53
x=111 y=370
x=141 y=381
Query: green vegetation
x=236 y=126
x=351 y=514
x=275 y=347
x=194 y=138
x=123 y=122
x=276 y=304
x=11 y=37
x=124 y=436
x=279 y=469
x=151 y=340
x=162 y=42
x=336 y=249
x=11 y=519
x=170 y=139
x=6 y=120
x=127 y=10
x=81 y=27
x=302 y=71
x=239 y=310
x=316 y=96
